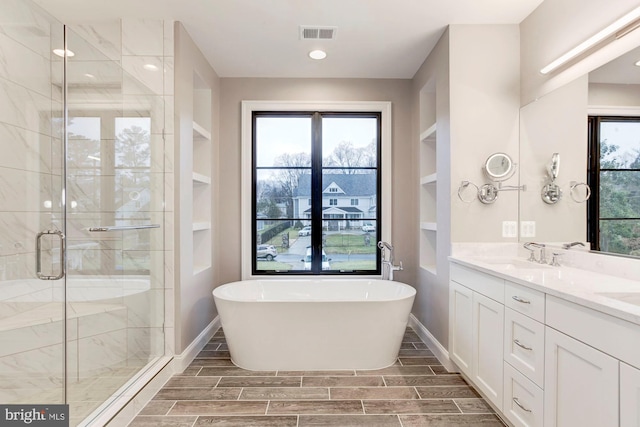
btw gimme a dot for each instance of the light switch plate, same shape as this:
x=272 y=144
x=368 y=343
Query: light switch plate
x=527 y=229
x=509 y=229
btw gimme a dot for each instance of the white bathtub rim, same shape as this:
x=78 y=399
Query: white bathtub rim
x=224 y=292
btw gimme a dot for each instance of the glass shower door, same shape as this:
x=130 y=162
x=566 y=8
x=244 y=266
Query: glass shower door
x=115 y=205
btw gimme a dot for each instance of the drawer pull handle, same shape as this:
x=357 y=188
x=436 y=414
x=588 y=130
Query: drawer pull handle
x=519 y=344
x=523 y=301
x=517 y=402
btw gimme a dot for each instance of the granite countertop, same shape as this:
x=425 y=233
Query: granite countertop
x=616 y=296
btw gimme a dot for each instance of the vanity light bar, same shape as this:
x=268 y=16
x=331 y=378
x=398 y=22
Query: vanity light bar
x=594 y=40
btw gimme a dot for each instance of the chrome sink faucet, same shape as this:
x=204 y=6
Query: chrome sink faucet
x=387 y=264
x=572 y=244
x=532 y=257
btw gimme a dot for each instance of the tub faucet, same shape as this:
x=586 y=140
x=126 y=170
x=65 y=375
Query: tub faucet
x=387 y=264
x=572 y=244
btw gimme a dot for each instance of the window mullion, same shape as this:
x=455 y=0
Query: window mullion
x=316 y=193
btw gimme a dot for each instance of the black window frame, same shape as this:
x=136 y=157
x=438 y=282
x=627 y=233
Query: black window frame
x=317 y=169
x=593 y=178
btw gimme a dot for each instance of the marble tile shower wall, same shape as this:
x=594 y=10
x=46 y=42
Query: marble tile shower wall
x=125 y=326
x=31 y=354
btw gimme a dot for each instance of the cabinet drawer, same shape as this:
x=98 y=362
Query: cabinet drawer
x=523 y=400
x=524 y=345
x=524 y=300
x=485 y=284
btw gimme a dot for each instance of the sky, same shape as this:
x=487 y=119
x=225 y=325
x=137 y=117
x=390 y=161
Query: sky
x=626 y=135
x=279 y=135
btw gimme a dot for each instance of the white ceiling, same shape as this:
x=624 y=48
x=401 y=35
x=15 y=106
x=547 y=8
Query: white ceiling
x=259 y=38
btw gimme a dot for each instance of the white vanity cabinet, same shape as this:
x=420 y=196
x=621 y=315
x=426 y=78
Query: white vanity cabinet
x=476 y=329
x=629 y=396
x=548 y=361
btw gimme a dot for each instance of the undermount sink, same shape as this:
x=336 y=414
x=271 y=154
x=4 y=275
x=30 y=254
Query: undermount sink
x=628 y=297
x=512 y=263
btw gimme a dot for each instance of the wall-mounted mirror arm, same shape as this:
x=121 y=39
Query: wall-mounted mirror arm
x=551 y=193
x=487 y=194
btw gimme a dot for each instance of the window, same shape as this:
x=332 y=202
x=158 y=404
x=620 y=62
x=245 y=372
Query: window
x=308 y=157
x=614 y=177
x=354 y=202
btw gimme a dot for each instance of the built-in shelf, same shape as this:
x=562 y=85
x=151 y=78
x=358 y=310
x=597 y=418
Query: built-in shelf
x=201 y=179
x=201 y=132
x=431 y=226
x=200 y=226
x=429 y=179
x=429 y=268
x=197 y=269
x=429 y=134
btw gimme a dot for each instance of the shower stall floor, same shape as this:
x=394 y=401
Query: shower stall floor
x=416 y=391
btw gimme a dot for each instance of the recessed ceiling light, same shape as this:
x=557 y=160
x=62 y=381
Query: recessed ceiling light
x=60 y=53
x=150 y=67
x=317 y=54
x=637 y=64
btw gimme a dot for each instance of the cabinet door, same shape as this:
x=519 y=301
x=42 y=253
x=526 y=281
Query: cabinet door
x=460 y=326
x=629 y=396
x=488 y=327
x=581 y=384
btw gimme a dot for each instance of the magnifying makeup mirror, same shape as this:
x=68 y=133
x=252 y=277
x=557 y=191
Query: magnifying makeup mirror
x=499 y=167
x=554 y=166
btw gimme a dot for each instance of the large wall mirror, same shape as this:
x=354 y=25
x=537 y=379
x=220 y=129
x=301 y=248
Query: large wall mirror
x=593 y=123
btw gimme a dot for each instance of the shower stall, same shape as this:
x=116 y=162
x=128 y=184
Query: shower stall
x=82 y=212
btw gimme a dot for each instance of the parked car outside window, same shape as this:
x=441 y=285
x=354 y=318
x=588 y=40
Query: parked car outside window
x=368 y=228
x=306 y=231
x=269 y=252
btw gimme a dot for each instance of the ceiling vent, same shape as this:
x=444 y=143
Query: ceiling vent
x=317 y=33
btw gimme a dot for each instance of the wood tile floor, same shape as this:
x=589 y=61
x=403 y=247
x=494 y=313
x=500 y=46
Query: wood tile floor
x=415 y=392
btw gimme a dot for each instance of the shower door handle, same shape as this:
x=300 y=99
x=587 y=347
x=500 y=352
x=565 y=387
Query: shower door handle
x=61 y=236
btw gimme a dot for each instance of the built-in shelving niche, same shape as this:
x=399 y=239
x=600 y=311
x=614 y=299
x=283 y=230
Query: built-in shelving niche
x=201 y=203
x=428 y=179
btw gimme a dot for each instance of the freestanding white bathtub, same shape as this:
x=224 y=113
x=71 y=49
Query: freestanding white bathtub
x=314 y=324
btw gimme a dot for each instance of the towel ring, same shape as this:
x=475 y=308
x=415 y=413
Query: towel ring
x=574 y=186
x=463 y=187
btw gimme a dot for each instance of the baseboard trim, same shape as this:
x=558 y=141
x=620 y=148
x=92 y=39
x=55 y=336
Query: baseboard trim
x=434 y=345
x=183 y=360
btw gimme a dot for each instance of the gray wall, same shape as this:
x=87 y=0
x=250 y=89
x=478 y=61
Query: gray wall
x=476 y=73
x=235 y=90
x=194 y=306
